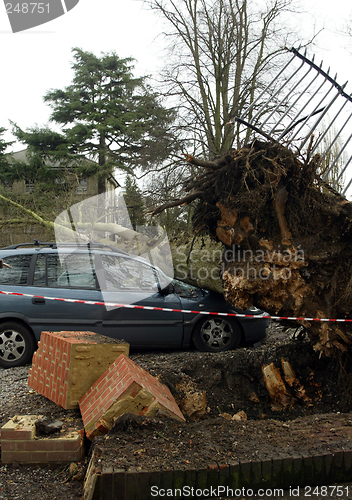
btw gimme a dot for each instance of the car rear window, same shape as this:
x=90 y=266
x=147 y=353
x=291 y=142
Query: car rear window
x=15 y=270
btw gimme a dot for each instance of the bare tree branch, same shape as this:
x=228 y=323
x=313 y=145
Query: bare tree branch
x=187 y=199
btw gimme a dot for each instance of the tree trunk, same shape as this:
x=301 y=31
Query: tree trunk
x=102 y=161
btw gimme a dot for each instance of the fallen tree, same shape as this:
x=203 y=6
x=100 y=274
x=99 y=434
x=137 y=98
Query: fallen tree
x=287 y=236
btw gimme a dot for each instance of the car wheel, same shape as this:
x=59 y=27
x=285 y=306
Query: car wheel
x=17 y=345
x=216 y=334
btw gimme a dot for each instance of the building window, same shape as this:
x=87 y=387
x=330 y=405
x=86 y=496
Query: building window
x=28 y=186
x=82 y=187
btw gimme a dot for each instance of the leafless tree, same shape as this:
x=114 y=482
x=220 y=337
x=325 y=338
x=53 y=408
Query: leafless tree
x=221 y=53
x=333 y=159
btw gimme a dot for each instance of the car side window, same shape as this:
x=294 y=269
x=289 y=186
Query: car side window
x=39 y=278
x=75 y=270
x=15 y=270
x=128 y=274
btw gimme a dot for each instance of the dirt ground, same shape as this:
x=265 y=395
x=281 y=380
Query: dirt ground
x=314 y=415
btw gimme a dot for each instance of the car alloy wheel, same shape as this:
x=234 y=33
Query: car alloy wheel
x=215 y=334
x=16 y=345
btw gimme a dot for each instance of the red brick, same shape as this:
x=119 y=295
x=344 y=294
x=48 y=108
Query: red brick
x=72 y=445
x=106 y=395
x=64 y=456
x=23 y=434
x=52 y=365
x=123 y=378
x=20 y=445
x=43 y=445
x=37 y=457
x=12 y=456
x=63 y=448
x=8 y=445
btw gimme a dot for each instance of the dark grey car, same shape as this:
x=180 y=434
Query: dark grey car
x=92 y=278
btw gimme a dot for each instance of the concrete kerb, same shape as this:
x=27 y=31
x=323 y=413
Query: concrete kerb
x=135 y=484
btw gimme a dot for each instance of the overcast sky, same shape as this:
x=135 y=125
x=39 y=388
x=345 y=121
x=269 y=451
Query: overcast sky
x=39 y=59
x=36 y=60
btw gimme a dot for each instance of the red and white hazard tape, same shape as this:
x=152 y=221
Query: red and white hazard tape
x=166 y=309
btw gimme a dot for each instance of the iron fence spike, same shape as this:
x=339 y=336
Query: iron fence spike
x=284 y=119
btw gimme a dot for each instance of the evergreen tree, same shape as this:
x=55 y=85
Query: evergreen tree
x=112 y=116
x=134 y=202
x=47 y=149
x=4 y=165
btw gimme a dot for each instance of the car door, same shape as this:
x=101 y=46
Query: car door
x=132 y=282
x=69 y=276
x=13 y=283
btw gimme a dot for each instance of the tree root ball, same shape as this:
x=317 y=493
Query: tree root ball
x=287 y=236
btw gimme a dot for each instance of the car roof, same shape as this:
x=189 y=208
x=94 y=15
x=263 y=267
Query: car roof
x=45 y=245
x=53 y=247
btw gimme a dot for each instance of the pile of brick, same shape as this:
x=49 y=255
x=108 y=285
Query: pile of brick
x=124 y=387
x=66 y=364
x=93 y=373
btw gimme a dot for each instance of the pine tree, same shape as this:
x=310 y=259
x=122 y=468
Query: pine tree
x=4 y=165
x=111 y=116
x=134 y=202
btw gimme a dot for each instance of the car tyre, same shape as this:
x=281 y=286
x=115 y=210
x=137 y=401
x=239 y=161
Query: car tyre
x=17 y=344
x=216 y=334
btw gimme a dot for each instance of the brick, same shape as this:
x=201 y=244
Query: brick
x=277 y=471
x=15 y=456
x=308 y=471
x=179 y=479
x=328 y=471
x=8 y=445
x=348 y=461
x=119 y=486
x=64 y=456
x=72 y=443
x=38 y=445
x=338 y=459
x=123 y=388
x=37 y=457
x=61 y=448
x=66 y=364
x=19 y=427
x=234 y=475
x=297 y=471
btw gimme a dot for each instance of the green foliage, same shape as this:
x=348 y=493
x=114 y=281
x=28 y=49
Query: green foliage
x=49 y=160
x=111 y=116
x=134 y=202
x=4 y=166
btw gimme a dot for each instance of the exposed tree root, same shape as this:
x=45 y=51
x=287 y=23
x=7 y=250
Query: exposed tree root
x=288 y=237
